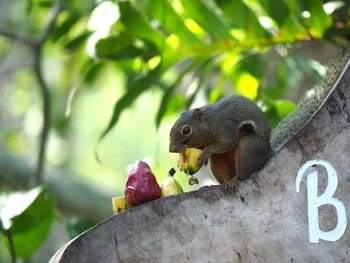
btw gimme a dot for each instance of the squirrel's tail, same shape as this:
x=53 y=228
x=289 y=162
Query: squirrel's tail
x=291 y=124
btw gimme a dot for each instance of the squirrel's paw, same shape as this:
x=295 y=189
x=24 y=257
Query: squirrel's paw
x=230 y=185
x=203 y=159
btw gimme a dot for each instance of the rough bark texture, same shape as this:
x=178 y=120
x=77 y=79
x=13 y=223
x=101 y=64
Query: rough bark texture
x=266 y=220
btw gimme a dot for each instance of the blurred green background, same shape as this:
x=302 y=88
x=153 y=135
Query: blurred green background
x=118 y=74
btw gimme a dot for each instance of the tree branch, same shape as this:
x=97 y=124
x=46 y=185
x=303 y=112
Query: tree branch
x=74 y=197
x=51 y=24
x=9 y=237
x=18 y=37
x=36 y=46
x=37 y=68
x=46 y=110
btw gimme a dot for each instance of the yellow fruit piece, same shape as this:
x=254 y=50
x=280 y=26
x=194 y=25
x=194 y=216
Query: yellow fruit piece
x=170 y=186
x=188 y=160
x=120 y=204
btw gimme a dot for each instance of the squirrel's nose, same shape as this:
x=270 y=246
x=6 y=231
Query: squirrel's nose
x=172 y=148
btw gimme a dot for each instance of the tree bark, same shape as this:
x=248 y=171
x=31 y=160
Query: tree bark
x=265 y=220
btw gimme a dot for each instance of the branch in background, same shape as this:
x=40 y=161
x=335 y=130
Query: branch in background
x=37 y=68
x=51 y=24
x=8 y=234
x=18 y=37
x=74 y=197
x=36 y=46
x=45 y=94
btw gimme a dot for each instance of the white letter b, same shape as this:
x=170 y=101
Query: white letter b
x=314 y=201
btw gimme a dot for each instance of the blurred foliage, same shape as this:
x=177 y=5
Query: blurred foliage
x=27 y=218
x=76 y=226
x=222 y=41
x=148 y=60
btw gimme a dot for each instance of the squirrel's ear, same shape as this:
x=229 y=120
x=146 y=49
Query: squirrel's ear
x=197 y=114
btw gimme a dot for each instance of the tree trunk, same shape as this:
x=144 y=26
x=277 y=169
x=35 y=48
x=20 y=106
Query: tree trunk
x=266 y=220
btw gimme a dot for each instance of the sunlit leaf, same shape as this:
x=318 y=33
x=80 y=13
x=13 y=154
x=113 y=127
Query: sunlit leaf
x=330 y=7
x=154 y=62
x=135 y=89
x=28 y=215
x=277 y=10
x=205 y=72
x=77 y=42
x=247 y=85
x=62 y=29
x=292 y=29
x=276 y=110
x=274 y=91
x=284 y=107
x=242 y=17
x=196 y=88
x=272 y=116
x=194 y=27
x=138 y=26
x=252 y=63
x=176 y=103
x=320 y=20
x=169 y=20
x=14 y=204
x=168 y=93
x=294 y=6
x=217 y=91
x=206 y=19
x=121 y=47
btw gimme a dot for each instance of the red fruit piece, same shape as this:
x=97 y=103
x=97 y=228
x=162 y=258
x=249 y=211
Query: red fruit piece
x=141 y=185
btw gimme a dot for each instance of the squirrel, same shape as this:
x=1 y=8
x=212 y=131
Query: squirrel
x=233 y=133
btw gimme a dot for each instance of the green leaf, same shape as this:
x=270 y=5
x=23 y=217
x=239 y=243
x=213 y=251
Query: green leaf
x=216 y=93
x=14 y=204
x=284 y=107
x=251 y=63
x=273 y=91
x=247 y=85
x=289 y=73
x=170 y=20
x=312 y=68
x=277 y=10
x=64 y=27
x=135 y=89
x=76 y=226
x=138 y=26
x=272 y=116
x=276 y=110
x=320 y=21
x=28 y=215
x=168 y=94
x=92 y=71
x=207 y=19
x=199 y=85
x=292 y=29
x=120 y=47
x=76 y=42
x=242 y=17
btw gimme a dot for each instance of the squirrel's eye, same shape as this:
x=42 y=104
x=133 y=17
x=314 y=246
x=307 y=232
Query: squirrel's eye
x=186 y=130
